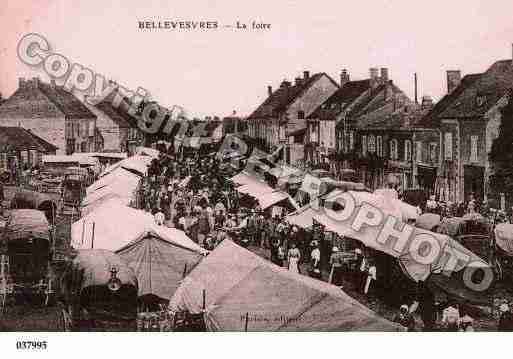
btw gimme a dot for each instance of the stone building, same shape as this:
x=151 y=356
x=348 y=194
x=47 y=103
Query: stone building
x=117 y=130
x=333 y=127
x=20 y=147
x=52 y=113
x=468 y=118
x=395 y=143
x=285 y=111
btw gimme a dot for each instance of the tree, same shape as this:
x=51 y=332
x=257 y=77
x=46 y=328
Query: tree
x=501 y=154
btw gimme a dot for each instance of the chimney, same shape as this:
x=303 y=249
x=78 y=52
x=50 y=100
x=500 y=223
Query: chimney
x=21 y=82
x=373 y=73
x=298 y=80
x=427 y=102
x=306 y=75
x=344 y=77
x=384 y=75
x=453 y=79
x=285 y=83
x=52 y=82
x=374 y=76
x=35 y=82
x=269 y=90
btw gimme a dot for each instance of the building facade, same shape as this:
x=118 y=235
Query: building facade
x=468 y=118
x=285 y=112
x=52 y=113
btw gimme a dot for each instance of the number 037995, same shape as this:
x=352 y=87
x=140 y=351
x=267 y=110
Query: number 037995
x=31 y=345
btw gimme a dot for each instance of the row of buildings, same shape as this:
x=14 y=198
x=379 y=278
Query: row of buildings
x=370 y=125
x=52 y=115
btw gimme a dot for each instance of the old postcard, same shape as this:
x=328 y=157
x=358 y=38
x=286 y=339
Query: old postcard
x=255 y=167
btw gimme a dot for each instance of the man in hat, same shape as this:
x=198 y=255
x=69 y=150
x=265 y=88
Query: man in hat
x=405 y=318
x=451 y=317
x=336 y=262
x=506 y=319
x=315 y=260
x=159 y=217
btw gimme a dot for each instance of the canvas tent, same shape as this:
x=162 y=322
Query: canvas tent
x=434 y=249
x=120 y=183
x=238 y=283
x=159 y=255
x=265 y=194
x=23 y=223
x=138 y=164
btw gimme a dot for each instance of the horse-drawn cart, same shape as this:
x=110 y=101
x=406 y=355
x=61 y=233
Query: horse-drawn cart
x=99 y=292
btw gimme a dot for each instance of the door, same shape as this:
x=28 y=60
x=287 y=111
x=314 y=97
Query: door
x=473 y=177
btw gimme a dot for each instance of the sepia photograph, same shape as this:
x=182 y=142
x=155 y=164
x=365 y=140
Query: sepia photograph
x=233 y=166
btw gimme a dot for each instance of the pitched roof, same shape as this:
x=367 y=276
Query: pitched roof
x=22 y=139
x=476 y=94
x=344 y=96
x=119 y=114
x=404 y=118
x=281 y=98
x=447 y=100
x=71 y=106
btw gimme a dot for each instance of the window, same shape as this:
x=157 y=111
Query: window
x=394 y=154
x=372 y=144
x=91 y=128
x=407 y=150
x=300 y=115
x=364 y=145
x=3 y=161
x=313 y=132
x=418 y=151
x=473 y=148
x=448 y=145
x=379 y=146
x=351 y=140
x=433 y=151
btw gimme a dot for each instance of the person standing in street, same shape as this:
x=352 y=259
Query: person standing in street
x=315 y=261
x=294 y=255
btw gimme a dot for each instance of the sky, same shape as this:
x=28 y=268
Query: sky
x=216 y=72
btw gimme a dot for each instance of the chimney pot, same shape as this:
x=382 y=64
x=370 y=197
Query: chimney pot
x=373 y=73
x=453 y=79
x=269 y=90
x=344 y=77
x=306 y=74
x=52 y=82
x=21 y=82
x=384 y=74
x=298 y=80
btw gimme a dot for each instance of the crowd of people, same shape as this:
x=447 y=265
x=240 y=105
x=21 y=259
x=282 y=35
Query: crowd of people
x=194 y=194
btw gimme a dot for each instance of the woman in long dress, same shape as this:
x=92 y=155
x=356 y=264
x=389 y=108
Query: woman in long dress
x=293 y=258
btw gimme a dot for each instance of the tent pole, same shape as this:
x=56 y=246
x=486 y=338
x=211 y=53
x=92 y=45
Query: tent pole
x=92 y=237
x=83 y=232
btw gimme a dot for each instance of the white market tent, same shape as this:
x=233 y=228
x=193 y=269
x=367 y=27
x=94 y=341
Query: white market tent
x=119 y=183
x=138 y=164
x=368 y=235
x=242 y=178
x=265 y=194
x=119 y=175
x=160 y=256
x=235 y=283
x=147 y=151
